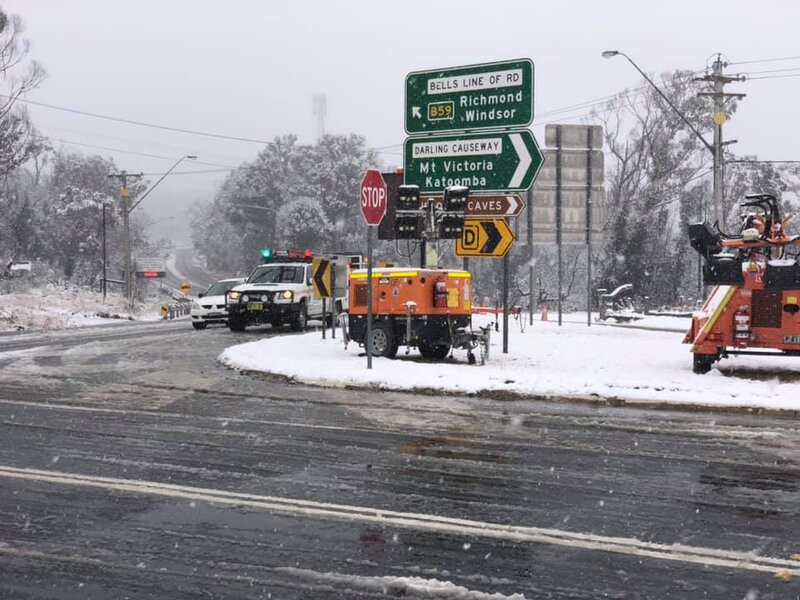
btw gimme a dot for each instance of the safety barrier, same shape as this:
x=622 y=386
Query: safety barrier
x=173 y=310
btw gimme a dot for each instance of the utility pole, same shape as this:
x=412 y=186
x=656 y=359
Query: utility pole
x=123 y=177
x=718 y=80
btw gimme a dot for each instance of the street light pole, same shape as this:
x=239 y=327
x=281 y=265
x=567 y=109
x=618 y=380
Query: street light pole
x=715 y=149
x=123 y=177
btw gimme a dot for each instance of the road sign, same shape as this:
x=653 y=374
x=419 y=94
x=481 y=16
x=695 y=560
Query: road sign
x=573 y=167
x=486 y=205
x=574 y=136
x=506 y=205
x=573 y=215
x=321 y=277
x=149 y=267
x=484 y=162
x=485 y=237
x=491 y=95
x=185 y=288
x=373 y=196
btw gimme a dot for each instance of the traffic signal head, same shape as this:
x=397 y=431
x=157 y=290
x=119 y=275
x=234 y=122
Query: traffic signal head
x=455 y=198
x=408 y=198
x=451 y=227
x=408 y=227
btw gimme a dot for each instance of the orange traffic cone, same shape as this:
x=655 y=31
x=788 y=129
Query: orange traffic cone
x=544 y=312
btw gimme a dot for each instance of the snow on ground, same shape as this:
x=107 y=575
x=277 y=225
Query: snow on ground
x=55 y=307
x=627 y=362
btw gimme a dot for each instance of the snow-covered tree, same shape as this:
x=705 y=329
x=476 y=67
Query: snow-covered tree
x=290 y=195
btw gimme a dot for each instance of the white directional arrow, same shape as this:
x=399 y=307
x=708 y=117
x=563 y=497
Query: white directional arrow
x=415 y=112
x=514 y=205
x=524 y=160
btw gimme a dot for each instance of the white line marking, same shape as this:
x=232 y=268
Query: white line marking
x=729 y=559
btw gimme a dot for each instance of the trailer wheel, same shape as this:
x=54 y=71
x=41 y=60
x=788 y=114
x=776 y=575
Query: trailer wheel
x=433 y=351
x=383 y=341
x=701 y=363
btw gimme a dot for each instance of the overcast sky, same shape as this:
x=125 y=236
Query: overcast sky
x=250 y=69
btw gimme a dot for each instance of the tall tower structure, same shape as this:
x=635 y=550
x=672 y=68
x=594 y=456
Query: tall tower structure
x=320 y=104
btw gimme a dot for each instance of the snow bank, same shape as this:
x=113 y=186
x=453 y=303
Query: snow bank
x=50 y=307
x=629 y=363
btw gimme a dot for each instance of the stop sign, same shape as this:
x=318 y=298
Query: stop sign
x=373 y=197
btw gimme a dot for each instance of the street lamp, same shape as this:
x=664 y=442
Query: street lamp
x=715 y=149
x=127 y=211
x=152 y=187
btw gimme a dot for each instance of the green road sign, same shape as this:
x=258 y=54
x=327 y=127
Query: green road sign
x=506 y=161
x=491 y=95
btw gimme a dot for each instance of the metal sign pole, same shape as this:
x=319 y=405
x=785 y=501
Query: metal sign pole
x=505 y=304
x=558 y=216
x=529 y=217
x=324 y=319
x=369 y=297
x=590 y=133
x=334 y=312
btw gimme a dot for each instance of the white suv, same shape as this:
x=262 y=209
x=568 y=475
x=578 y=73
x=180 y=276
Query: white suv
x=278 y=292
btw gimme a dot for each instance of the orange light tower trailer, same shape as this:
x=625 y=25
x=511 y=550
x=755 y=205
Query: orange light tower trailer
x=427 y=308
x=754 y=307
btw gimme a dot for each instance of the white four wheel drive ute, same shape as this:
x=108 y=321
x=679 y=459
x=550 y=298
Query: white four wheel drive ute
x=278 y=292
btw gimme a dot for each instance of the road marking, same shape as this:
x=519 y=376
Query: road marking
x=729 y=559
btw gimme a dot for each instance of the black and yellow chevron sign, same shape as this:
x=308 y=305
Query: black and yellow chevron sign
x=485 y=237
x=321 y=277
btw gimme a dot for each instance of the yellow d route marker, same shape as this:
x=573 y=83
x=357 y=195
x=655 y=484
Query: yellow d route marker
x=485 y=237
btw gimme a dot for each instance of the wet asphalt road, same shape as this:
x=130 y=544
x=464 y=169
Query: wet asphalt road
x=132 y=465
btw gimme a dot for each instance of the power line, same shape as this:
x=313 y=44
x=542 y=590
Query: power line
x=134 y=153
x=764 y=60
x=789 y=70
x=773 y=77
x=198 y=172
x=144 y=123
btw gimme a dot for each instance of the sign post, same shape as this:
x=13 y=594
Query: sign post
x=373 y=195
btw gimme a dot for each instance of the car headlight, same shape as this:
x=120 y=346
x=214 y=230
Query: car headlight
x=287 y=295
x=233 y=295
x=196 y=306
x=245 y=297
x=265 y=297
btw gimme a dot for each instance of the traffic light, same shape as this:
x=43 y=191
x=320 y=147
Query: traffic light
x=451 y=227
x=408 y=198
x=455 y=198
x=409 y=226
x=408 y=222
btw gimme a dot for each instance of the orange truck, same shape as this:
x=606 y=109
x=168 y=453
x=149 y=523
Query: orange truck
x=427 y=308
x=754 y=307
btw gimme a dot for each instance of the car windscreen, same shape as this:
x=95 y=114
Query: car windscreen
x=219 y=288
x=277 y=274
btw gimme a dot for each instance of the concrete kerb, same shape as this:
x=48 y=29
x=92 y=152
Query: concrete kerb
x=512 y=396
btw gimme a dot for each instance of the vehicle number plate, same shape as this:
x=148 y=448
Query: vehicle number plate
x=255 y=306
x=791 y=339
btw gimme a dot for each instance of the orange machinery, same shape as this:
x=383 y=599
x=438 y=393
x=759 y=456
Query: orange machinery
x=753 y=308
x=427 y=308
